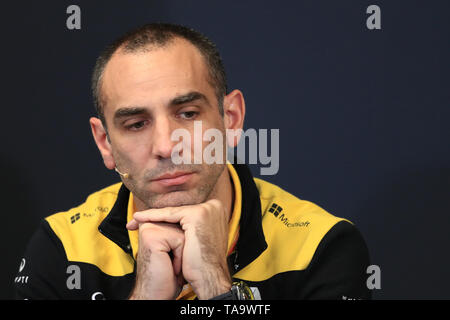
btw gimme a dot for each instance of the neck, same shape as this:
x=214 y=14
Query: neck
x=224 y=192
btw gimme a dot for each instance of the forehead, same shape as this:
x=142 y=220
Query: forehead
x=154 y=75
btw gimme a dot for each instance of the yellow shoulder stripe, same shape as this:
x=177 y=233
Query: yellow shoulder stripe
x=77 y=229
x=293 y=229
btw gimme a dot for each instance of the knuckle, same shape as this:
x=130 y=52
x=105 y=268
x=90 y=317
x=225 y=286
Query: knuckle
x=215 y=204
x=148 y=235
x=203 y=210
x=203 y=207
x=153 y=236
x=179 y=241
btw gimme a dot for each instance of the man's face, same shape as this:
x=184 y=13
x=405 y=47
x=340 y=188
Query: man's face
x=148 y=95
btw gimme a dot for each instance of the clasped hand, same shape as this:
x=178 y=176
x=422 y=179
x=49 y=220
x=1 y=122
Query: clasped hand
x=179 y=245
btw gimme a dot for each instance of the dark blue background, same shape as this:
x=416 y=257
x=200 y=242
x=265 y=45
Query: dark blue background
x=363 y=115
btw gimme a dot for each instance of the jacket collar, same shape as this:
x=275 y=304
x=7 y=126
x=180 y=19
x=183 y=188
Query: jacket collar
x=114 y=225
x=251 y=242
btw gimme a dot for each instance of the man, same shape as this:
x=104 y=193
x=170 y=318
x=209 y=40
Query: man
x=184 y=231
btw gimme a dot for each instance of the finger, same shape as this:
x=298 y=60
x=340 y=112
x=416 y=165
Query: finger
x=163 y=237
x=180 y=280
x=177 y=258
x=174 y=238
x=132 y=225
x=169 y=214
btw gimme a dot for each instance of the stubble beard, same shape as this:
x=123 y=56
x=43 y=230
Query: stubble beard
x=209 y=175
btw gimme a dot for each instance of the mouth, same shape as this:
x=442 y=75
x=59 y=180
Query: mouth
x=173 y=179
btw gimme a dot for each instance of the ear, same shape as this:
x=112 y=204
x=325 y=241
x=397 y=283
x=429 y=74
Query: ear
x=102 y=141
x=234 y=114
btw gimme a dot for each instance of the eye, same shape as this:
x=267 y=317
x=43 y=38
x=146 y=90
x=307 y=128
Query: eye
x=188 y=115
x=137 y=125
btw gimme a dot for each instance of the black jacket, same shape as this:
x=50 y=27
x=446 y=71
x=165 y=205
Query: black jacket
x=287 y=248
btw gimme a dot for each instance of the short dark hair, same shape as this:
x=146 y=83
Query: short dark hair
x=160 y=35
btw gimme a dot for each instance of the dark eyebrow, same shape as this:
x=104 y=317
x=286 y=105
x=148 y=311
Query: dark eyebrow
x=181 y=99
x=188 y=97
x=129 y=111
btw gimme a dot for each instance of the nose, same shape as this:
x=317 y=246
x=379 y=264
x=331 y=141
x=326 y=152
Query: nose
x=162 y=144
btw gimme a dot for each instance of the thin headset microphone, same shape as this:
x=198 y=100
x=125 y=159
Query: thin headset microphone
x=124 y=175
